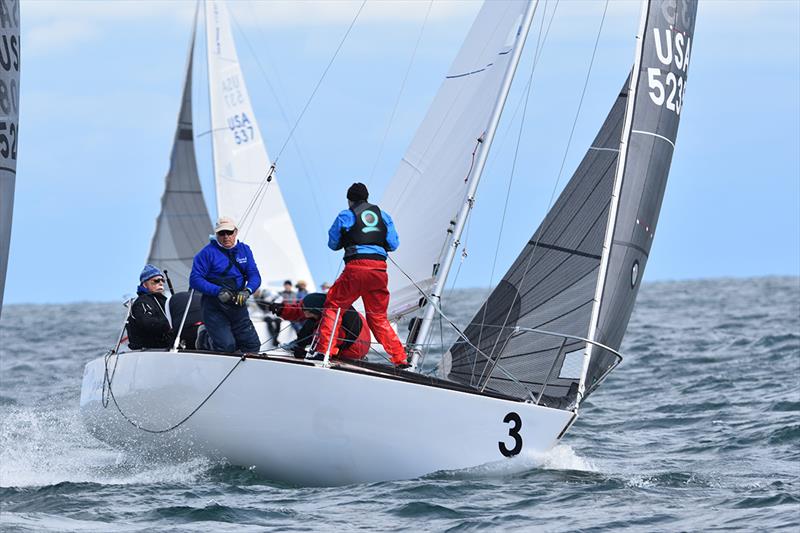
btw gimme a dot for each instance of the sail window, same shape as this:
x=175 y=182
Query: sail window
x=572 y=365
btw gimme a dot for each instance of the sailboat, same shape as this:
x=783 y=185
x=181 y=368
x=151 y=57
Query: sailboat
x=240 y=163
x=515 y=379
x=9 y=127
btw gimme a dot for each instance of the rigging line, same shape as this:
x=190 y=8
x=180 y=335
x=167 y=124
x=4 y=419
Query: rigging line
x=563 y=162
x=400 y=93
x=190 y=415
x=508 y=196
x=324 y=73
x=536 y=55
x=539 y=49
x=257 y=197
x=580 y=105
x=458 y=330
x=268 y=178
x=284 y=116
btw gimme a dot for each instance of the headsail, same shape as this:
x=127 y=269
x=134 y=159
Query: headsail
x=183 y=224
x=432 y=177
x=550 y=286
x=555 y=282
x=241 y=163
x=9 y=128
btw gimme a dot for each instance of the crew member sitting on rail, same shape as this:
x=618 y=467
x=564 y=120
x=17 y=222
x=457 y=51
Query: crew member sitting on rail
x=148 y=325
x=354 y=339
x=226 y=274
x=194 y=317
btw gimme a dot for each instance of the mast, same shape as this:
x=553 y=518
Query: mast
x=614 y=206
x=480 y=162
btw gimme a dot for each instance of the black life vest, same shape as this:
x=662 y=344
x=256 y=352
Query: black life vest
x=369 y=228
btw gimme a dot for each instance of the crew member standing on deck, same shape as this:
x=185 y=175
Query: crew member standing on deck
x=366 y=233
x=226 y=274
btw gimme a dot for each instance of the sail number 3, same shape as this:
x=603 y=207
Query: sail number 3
x=668 y=89
x=513 y=432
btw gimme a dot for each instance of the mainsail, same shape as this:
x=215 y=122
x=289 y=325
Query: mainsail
x=432 y=177
x=241 y=164
x=183 y=225
x=580 y=272
x=9 y=126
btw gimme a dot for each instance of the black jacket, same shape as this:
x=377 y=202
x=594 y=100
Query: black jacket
x=148 y=326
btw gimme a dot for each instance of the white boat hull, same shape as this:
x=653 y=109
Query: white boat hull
x=305 y=424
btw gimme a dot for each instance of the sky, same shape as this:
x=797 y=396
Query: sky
x=100 y=92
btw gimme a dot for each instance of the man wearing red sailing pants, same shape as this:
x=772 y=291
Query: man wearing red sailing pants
x=226 y=274
x=366 y=234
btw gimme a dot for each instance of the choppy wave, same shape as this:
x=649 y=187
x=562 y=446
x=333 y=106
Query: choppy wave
x=698 y=429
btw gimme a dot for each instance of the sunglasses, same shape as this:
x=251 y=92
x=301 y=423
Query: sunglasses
x=157 y=280
x=225 y=233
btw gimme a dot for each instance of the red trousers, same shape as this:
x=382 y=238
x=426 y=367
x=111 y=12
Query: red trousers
x=364 y=278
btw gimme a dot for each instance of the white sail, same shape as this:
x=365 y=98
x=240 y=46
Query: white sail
x=241 y=163
x=429 y=187
x=9 y=129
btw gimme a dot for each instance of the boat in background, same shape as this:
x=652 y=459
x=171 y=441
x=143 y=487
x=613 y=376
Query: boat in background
x=241 y=164
x=514 y=381
x=240 y=160
x=9 y=128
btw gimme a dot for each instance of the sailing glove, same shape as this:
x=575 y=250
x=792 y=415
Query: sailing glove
x=225 y=296
x=275 y=308
x=241 y=297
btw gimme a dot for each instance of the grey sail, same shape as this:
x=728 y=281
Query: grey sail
x=9 y=126
x=580 y=272
x=183 y=225
x=551 y=285
x=668 y=34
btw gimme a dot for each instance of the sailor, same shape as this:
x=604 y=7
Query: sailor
x=366 y=233
x=288 y=293
x=194 y=317
x=148 y=325
x=226 y=274
x=302 y=290
x=354 y=341
x=263 y=299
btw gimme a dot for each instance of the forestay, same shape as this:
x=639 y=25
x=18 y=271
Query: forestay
x=183 y=225
x=429 y=187
x=583 y=265
x=241 y=164
x=9 y=127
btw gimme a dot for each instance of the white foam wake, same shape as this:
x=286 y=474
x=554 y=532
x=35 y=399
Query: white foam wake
x=561 y=457
x=42 y=446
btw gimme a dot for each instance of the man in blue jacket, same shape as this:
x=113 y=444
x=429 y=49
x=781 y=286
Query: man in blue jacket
x=225 y=273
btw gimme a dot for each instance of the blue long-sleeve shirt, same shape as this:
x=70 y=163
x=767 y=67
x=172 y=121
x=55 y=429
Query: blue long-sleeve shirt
x=345 y=220
x=212 y=261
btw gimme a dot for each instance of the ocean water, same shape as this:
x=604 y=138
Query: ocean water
x=698 y=429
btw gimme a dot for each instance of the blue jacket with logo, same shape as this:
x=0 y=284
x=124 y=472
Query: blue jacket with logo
x=345 y=220
x=211 y=272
